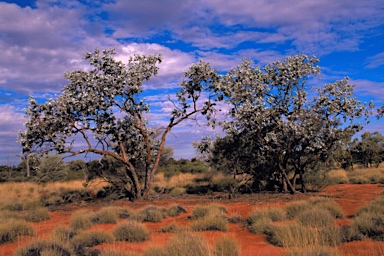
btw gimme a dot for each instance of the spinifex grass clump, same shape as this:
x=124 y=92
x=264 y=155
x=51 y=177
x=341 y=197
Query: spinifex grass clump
x=183 y=243
x=296 y=208
x=45 y=247
x=226 y=246
x=152 y=214
x=63 y=234
x=14 y=227
x=313 y=251
x=297 y=235
x=106 y=215
x=209 y=218
x=90 y=238
x=316 y=217
x=175 y=210
x=259 y=220
x=81 y=220
x=131 y=231
x=37 y=215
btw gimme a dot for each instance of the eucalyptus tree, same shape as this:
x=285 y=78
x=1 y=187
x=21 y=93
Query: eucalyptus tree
x=370 y=149
x=286 y=125
x=106 y=103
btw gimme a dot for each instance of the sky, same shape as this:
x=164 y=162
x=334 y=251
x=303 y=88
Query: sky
x=40 y=40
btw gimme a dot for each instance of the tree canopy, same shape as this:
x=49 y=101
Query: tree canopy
x=279 y=126
x=104 y=109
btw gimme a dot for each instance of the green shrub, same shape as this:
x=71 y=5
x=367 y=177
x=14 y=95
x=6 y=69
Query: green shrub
x=210 y=222
x=37 y=215
x=81 y=220
x=175 y=210
x=90 y=239
x=225 y=184
x=370 y=225
x=45 y=247
x=12 y=228
x=316 y=217
x=177 y=191
x=152 y=214
x=226 y=246
x=131 y=231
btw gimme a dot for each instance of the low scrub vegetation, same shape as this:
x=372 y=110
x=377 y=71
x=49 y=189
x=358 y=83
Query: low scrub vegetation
x=12 y=228
x=131 y=231
x=45 y=247
x=226 y=246
x=90 y=239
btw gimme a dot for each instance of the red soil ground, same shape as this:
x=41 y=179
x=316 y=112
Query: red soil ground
x=349 y=196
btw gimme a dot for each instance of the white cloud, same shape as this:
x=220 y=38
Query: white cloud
x=375 y=61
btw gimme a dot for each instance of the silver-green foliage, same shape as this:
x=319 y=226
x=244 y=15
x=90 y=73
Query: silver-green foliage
x=106 y=103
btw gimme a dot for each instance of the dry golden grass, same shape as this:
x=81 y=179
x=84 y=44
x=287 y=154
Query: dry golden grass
x=181 y=180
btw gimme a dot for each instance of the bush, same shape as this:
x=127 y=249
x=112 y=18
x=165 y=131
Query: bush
x=296 y=235
x=369 y=224
x=210 y=222
x=131 y=231
x=152 y=214
x=45 y=247
x=63 y=234
x=37 y=215
x=90 y=239
x=175 y=210
x=202 y=211
x=181 y=244
x=313 y=251
x=226 y=246
x=316 y=217
x=81 y=220
x=295 y=208
x=12 y=228
x=106 y=215
x=177 y=191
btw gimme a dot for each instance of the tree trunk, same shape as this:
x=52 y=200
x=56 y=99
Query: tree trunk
x=27 y=166
x=286 y=179
x=135 y=181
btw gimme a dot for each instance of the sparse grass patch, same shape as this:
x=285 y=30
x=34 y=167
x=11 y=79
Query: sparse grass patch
x=183 y=243
x=63 y=234
x=259 y=221
x=45 y=247
x=177 y=191
x=313 y=251
x=226 y=246
x=210 y=222
x=152 y=214
x=131 y=231
x=367 y=176
x=202 y=211
x=37 y=215
x=81 y=219
x=106 y=215
x=12 y=228
x=369 y=224
x=297 y=235
x=375 y=206
x=90 y=238
x=316 y=217
x=175 y=210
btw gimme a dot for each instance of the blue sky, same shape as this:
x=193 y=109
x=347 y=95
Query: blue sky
x=40 y=40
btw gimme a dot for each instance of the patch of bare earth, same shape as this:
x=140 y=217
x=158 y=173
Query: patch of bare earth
x=350 y=197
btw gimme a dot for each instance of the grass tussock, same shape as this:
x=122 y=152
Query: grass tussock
x=13 y=228
x=45 y=247
x=152 y=214
x=183 y=243
x=37 y=215
x=367 y=176
x=313 y=251
x=226 y=246
x=297 y=235
x=210 y=223
x=175 y=210
x=63 y=234
x=294 y=209
x=316 y=217
x=213 y=209
x=107 y=215
x=90 y=239
x=81 y=219
x=131 y=231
